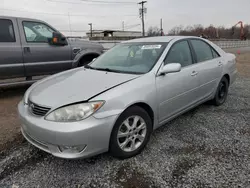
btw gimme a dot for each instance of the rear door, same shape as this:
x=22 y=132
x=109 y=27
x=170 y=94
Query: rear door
x=11 y=58
x=39 y=56
x=209 y=67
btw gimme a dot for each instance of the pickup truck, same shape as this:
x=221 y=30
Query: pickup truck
x=31 y=48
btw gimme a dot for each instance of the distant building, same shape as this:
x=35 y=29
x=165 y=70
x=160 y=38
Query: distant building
x=113 y=34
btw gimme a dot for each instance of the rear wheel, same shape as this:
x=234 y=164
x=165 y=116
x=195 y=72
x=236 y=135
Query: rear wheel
x=131 y=133
x=221 y=93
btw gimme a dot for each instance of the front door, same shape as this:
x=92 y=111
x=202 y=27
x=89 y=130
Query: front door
x=39 y=56
x=177 y=91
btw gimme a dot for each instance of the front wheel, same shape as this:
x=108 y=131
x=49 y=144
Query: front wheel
x=131 y=133
x=221 y=93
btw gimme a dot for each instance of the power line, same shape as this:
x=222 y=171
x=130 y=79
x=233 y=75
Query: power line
x=95 y=2
x=79 y=31
x=132 y=26
x=33 y=12
x=59 y=14
x=74 y=31
x=109 y=2
x=126 y=15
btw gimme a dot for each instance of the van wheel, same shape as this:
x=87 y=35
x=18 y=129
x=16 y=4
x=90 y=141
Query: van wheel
x=131 y=133
x=221 y=93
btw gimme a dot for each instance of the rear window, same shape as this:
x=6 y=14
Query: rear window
x=202 y=50
x=7 y=31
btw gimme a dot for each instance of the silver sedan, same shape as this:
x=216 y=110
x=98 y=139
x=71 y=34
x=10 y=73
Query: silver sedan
x=114 y=103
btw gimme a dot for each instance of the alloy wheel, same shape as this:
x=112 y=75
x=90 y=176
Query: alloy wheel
x=131 y=133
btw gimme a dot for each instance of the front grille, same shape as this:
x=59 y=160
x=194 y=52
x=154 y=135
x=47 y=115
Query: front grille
x=37 y=109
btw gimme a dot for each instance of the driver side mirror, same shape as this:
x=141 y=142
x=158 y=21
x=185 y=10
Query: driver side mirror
x=58 y=39
x=170 y=68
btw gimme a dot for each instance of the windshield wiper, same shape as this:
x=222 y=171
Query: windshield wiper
x=89 y=67
x=107 y=70
x=110 y=70
x=101 y=69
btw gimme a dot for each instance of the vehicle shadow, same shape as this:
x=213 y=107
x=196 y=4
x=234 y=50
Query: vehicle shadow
x=14 y=91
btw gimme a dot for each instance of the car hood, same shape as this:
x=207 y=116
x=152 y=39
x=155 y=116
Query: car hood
x=75 y=85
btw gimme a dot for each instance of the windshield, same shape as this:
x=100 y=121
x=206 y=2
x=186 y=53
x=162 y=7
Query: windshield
x=130 y=58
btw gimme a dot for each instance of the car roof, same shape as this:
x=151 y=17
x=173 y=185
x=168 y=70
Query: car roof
x=158 y=39
x=16 y=17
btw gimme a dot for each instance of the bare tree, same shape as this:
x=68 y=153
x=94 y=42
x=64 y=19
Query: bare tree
x=210 y=31
x=154 y=31
x=176 y=30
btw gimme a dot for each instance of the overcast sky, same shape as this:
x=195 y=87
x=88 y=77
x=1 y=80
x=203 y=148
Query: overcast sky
x=60 y=13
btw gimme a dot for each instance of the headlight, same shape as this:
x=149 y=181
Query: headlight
x=75 y=112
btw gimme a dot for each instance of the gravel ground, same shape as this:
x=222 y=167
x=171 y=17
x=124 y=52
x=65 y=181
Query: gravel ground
x=206 y=147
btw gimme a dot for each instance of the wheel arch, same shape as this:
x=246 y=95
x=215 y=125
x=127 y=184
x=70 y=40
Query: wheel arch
x=148 y=109
x=227 y=77
x=145 y=107
x=83 y=54
x=86 y=57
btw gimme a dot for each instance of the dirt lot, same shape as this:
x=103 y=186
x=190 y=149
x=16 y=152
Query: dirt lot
x=243 y=63
x=207 y=147
x=9 y=124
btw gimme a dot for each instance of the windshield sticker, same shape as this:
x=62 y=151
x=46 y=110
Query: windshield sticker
x=150 y=47
x=132 y=53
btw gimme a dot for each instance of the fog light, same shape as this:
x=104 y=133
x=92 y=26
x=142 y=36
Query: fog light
x=71 y=149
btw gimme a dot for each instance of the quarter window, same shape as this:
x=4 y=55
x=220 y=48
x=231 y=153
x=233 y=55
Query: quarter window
x=37 y=32
x=180 y=53
x=202 y=50
x=7 y=31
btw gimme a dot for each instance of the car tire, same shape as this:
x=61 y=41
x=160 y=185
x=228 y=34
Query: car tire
x=130 y=123
x=221 y=92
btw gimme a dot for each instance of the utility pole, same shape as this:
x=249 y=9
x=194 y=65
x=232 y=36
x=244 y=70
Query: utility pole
x=70 y=29
x=142 y=11
x=123 y=27
x=91 y=31
x=161 y=28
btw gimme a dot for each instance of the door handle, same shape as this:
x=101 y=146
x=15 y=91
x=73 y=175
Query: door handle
x=26 y=49
x=76 y=50
x=194 y=73
x=220 y=64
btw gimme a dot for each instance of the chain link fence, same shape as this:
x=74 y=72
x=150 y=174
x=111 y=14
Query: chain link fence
x=224 y=44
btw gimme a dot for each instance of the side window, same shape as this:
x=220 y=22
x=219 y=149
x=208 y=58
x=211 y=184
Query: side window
x=30 y=35
x=7 y=31
x=202 y=50
x=180 y=53
x=37 y=32
x=215 y=54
